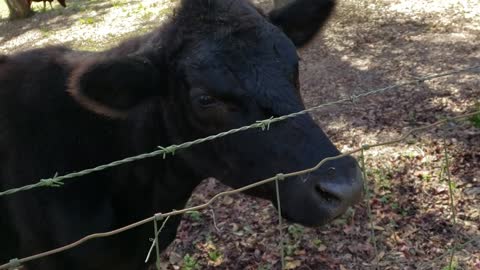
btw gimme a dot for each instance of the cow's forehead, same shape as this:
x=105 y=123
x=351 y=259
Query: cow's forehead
x=258 y=64
x=262 y=45
x=200 y=13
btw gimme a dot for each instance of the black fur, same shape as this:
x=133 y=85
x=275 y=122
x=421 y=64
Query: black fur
x=214 y=66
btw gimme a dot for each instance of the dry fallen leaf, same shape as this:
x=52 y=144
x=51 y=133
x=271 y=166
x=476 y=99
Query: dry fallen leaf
x=293 y=264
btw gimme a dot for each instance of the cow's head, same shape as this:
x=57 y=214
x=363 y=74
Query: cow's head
x=219 y=65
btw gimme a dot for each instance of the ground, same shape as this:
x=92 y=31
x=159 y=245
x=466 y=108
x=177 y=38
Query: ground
x=367 y=45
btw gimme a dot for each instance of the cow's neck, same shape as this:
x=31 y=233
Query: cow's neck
x=164 y=183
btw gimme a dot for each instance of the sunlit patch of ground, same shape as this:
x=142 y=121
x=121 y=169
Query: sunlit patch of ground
x=84 y=24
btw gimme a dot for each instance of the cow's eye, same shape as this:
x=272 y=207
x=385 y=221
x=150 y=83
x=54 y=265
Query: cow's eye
x=206 y=100
x=202 y=99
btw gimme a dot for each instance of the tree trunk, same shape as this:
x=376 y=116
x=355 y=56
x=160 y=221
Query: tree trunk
x=18 y=9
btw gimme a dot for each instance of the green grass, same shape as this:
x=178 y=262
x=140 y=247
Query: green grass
x=77 y=7
x=194 y=216
x=89 y=20
x=296 y=231
x=45 y=32
x=382 y=177
x=475 y=120
x=190 y=263
x=214 y=255
x=452 y=266
x=119 y=3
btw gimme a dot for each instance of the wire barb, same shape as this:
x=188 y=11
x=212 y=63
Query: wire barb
x=168 y=150
x=365 y=147
x=158 y=216
x=13 y=264
x=265 y=124
x=354 y=99
x=51 y=182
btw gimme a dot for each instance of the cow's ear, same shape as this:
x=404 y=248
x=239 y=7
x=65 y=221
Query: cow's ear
x=301 y=19
x=112 y=87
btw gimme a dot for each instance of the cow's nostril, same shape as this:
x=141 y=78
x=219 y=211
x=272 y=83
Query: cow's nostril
x=326 y=195
x=331 y=171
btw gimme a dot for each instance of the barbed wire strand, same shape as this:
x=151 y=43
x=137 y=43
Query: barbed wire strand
x=369 y=209
x=57 y=181
x=460 y=246
x=155 y=243
x=156 y=234
x=215 y=221
x=452 y=202
x=280 y=225
x=280 y=176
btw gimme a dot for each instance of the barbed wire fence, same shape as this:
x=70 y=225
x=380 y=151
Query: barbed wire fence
x=264 y=125
x=57 y=181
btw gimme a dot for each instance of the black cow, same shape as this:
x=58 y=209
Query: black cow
x=216 y=65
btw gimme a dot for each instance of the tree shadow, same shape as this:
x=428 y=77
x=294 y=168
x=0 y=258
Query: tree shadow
x=378 y=59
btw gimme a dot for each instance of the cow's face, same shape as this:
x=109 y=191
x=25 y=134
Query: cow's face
x=229 y=73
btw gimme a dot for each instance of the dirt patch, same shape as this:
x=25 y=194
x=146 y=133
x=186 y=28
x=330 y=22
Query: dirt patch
x=368 y=44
